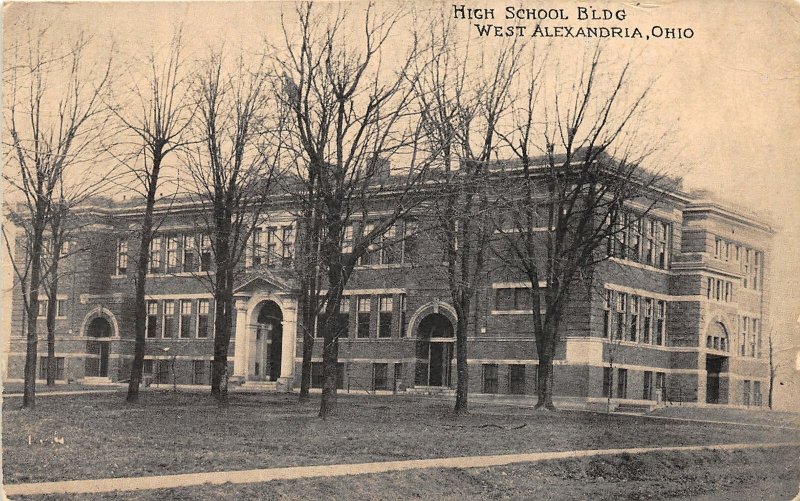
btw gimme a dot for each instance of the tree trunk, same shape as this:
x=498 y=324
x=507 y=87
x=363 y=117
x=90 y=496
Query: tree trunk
x=462 y=370
x=308 y=350
x=140 y=317
x=330 y=368
x=223 y=322
x=544 y=387
x=771 y=386
x=142 y=264
x=52 y=307
x=31 y=350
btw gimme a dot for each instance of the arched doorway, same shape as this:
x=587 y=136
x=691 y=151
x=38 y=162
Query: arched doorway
x=99 y=332
x=717 y=340
x=269 y=336
x=435 y=343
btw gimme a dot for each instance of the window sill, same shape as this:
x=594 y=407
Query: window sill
x=381 y=266
x=179 y=274
x=636 y=264
x=511 y=312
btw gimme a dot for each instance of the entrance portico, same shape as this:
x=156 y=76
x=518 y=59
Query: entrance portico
x=266 y=332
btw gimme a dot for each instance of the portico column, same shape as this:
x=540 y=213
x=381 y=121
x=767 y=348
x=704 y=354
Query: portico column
x=288 y=342
x=240 y=350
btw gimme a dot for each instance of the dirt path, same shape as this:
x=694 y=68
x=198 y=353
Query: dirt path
x=299 y=472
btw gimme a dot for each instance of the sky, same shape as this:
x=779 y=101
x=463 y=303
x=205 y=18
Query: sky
x=729 y=95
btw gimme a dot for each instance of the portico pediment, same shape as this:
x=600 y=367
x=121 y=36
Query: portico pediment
x=263 y=281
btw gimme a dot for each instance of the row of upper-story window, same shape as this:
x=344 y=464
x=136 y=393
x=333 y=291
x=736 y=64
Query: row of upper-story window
x=179 y=318
x=750 y=261
x=61 y=308
x=749 y=337
x=390 y=317
x=718 y=289
x=641 y=239
x=170 y=253
x=269 y=245
x=634 y=318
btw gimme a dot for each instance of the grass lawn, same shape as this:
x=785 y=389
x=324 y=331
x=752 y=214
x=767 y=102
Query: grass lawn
x=43 y=388
x=168 y=433
x=699 y=476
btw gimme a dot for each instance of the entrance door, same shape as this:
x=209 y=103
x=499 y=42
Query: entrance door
x=103 y=360
x=439 y=364
x=714 y=366
x=269 y=334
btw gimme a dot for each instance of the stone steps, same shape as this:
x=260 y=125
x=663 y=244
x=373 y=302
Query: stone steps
x=431 y=390
x=95 y=380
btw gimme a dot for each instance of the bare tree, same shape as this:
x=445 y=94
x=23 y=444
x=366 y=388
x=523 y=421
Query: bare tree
x=350 y=115
x=154 y=120
x=462 y=99
x=774 y=367
x=577 y=176
x=55 y=121
x=232 y=168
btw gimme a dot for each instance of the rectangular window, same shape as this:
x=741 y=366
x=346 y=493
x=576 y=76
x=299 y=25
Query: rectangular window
x=661 y=385
x=522 y=299
x=287 y=245
x=169 y=319
x=316 y=374
x=754 y=334
x=649 y=251
x=122 y=256
x=661 y=323
x=344 y=317
x=173 y=263
x=402 y=315
x=189 y=253
x=202 y=318
x=490 y=378
x=743 y=339
x=757 y=265
x=516 y=379
x=607 y=318
x=647 y=388
x=647 y=320
x=61 y=308
x=42 y=313
x=746 y=269
x=147 y=367
x=385 y=308
x=155 y=254
x=44 y=368
x=269 y=255
x=380 y=379
x=710 y=288
x=363 y=316
x=205 y=253
x=257 y=251
x=633 y=328
x=347 y=239
x=199 y=372
x=368 y=256
x=391 y=249
x=746 y=392
x=504 y=299
x=757 y=393
x=409 y=241
x=186 y=318
x=621 y=317
x=607 y=373
x=152 y=318
x=622 y=383
x=635 y=239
